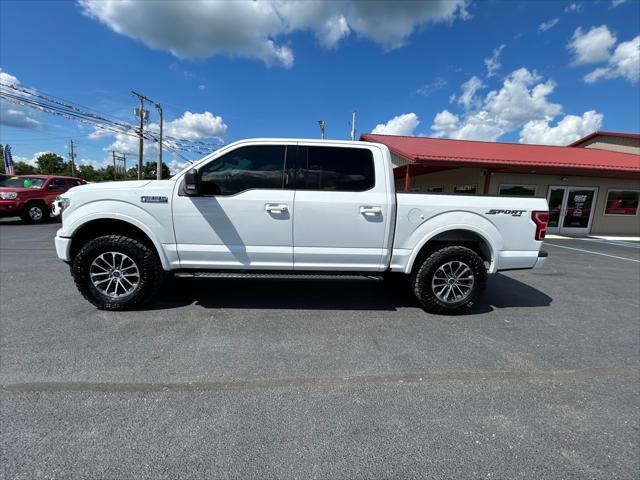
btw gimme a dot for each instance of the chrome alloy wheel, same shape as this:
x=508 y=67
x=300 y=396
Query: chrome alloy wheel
x=114 y=274
x=452 y=282
x=35 y=213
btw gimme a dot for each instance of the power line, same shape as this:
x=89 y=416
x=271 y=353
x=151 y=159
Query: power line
x=67 y=110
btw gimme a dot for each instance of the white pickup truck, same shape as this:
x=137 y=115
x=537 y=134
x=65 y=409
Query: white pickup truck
x=292 y=206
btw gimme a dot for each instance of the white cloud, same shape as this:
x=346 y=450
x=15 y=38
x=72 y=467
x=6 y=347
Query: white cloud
x=333 y=30
x=190 y=126
x=175 y=166
x=616 y=3
x=201 y=28
x=493 y=62
x=195 y=126
x=625 y=63
x=548 y=25
x=13 y=115
x=574 y=7
x=401 y=125
x=567 y=130
x=468 y=97
x=34 y=158
x=8 y=79
x=93 y=163
x=523 y=97
x=591 y=47
x=202 y=87
x=427 y=89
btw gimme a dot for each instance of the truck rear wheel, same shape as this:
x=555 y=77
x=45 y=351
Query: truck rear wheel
x=449 y=280
x=116 y=272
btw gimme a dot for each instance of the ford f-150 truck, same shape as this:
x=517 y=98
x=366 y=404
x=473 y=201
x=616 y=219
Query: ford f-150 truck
x=292 y=207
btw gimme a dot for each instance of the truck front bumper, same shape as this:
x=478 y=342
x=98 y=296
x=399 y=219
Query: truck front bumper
x=63 y=248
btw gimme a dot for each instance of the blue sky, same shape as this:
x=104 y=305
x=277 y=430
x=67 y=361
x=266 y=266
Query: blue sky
x=535 y=72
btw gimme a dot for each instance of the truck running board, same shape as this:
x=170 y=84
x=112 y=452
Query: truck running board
x=283 y=275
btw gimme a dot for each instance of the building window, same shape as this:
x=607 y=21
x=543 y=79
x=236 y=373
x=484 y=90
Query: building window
x=435 y=189
x=465 y=189
x=511 y=190
x=622 y=202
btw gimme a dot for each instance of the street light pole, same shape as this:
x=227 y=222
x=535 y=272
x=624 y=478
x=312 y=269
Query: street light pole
x=322 y=123
x=159 y=169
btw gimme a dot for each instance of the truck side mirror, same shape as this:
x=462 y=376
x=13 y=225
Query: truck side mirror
x=192 y=182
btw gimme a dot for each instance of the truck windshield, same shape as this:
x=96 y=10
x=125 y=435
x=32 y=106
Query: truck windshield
x=23 y=182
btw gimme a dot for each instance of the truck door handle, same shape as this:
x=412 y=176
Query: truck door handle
x=370 y=210
x=279 y=208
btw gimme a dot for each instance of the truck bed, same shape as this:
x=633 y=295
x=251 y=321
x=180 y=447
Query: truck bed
x=503 y=224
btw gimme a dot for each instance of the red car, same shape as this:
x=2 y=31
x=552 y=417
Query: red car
x=31 y=196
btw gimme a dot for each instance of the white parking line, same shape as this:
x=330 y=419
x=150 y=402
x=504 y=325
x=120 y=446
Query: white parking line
x=617 y=243
x=595 y=253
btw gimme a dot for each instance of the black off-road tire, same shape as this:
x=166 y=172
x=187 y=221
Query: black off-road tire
x=151 y=272
x=28 y=218
x=422 y=275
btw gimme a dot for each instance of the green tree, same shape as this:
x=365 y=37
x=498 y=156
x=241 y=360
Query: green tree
x=150 y=168
x=88 y=173
x=52 y=164
x=23 y=168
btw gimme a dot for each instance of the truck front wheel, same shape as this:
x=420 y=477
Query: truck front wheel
x=116 y=272
x=449 y=280
x=34 y=212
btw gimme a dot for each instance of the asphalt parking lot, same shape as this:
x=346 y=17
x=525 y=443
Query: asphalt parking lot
x=322 y=379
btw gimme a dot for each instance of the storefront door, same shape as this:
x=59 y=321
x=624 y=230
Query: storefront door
x=571 y=209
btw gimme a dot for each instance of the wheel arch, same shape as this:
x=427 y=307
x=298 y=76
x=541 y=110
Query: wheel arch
x=464 y=235
x=115 y=226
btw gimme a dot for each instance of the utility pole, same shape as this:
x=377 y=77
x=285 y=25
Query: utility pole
x=72 y=157
x=117 y=158
x=353 y=126
x=143 y=115
x=159 y=169
x=322 y=123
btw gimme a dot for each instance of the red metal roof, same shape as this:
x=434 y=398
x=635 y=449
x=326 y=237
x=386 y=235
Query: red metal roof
x=604 y=134
x=494 y=154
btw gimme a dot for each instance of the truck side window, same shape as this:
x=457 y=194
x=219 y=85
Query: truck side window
x=335 y=169
x=57 y=184
x=246 y=168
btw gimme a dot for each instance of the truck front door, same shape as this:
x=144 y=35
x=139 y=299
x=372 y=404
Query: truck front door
x=341 y=209
x=243 y=217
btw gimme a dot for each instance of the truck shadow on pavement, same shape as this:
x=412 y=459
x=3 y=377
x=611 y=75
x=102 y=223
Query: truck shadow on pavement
x=327 y=294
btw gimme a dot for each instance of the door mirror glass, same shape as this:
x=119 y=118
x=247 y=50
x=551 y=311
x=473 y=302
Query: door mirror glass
x=192 y=182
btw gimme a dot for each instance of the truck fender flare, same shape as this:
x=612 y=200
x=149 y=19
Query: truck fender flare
x=80 y=219
x=452 y=221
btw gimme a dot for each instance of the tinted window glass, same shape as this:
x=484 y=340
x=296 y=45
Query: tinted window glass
x=335 y=169
x=620 y=202
x=244 y=169
x=57 y=184
x=518 y=190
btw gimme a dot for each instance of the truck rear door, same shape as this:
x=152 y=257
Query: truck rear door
x=341 y=209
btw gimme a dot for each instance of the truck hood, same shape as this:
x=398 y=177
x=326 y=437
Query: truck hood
x=113 y=185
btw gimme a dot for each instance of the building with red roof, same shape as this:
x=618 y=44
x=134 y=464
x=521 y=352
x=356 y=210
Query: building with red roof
x=592 y=185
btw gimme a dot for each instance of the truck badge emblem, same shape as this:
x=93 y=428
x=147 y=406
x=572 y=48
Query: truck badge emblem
x=153 y=199
x=513 y=213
